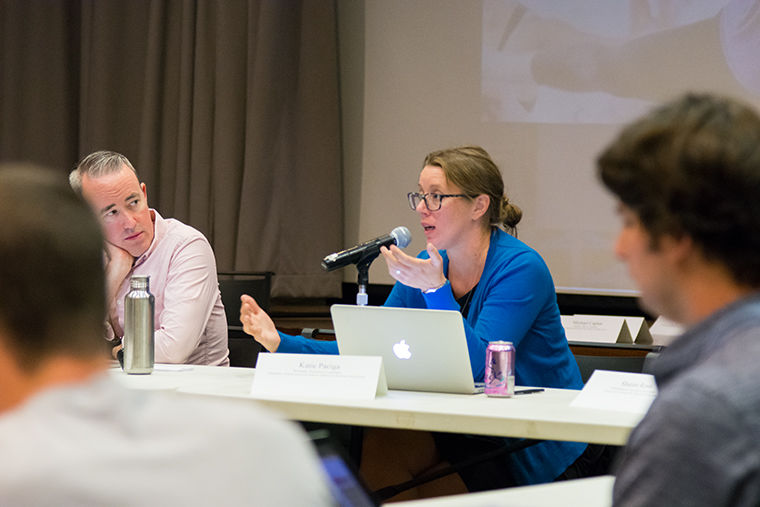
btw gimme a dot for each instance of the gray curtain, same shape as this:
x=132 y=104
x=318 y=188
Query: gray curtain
x=228 y=109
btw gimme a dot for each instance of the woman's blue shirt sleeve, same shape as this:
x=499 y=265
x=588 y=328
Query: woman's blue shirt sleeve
x=301 y=345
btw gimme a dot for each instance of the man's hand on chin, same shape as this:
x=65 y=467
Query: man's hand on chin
x=118 y=264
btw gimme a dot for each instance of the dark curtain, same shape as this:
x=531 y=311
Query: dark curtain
x=228 y=109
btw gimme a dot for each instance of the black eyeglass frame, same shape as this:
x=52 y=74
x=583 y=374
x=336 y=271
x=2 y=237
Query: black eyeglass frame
x=411 y=196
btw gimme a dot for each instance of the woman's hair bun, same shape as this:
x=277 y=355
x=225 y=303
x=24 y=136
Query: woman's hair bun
x=511 y=214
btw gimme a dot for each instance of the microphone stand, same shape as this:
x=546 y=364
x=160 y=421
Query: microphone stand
x=362 y=298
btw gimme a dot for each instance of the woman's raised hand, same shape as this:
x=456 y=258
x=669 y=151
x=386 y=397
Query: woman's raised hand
x=258 y=324
x=423 y=274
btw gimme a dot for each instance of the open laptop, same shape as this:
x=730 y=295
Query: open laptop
x=422 y=350
x=347 y=487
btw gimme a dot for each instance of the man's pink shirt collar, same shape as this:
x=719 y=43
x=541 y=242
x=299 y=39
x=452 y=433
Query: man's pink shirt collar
x=159 y=231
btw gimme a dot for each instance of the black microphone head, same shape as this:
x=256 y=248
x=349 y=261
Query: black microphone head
x=402 y=236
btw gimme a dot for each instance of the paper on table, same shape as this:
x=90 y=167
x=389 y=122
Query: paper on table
x=616 y=390
x=171 y=367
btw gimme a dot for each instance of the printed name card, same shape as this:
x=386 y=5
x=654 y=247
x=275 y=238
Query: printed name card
x=606 y=329
x=639 y=330
x=665 y=331
x=319 y=376
x=616 y=390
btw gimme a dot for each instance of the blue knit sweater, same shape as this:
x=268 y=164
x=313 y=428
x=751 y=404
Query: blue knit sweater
x=514 y=300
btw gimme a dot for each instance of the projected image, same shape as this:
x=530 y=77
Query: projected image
x=597 y=61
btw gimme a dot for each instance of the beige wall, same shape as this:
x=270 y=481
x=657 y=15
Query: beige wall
x=413 y=81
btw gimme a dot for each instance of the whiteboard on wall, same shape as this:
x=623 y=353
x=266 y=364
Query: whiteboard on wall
x=543 y=86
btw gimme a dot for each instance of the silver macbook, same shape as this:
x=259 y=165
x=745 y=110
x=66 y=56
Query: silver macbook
x=422 y=350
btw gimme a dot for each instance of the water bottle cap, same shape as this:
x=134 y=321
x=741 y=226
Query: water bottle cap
x=139 y=281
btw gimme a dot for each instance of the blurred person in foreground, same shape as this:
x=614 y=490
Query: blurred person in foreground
x=687 y=180
x=70 y=434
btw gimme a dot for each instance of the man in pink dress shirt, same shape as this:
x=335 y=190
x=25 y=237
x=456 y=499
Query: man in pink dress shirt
x=190 y=322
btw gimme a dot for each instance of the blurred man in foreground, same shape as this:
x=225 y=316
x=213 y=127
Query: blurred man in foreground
x=69 y=433
x=687 y=177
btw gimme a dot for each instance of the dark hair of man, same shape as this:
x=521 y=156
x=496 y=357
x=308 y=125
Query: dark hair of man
x=51 y=268
x=692 y=168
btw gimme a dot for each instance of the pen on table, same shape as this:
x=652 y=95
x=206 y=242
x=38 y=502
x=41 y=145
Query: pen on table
x=528 y=391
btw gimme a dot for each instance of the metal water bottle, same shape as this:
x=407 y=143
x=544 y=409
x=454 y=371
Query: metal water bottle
x=138 y=326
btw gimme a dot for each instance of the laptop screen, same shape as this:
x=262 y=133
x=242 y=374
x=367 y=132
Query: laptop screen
x=345 y=484
x=422 y=349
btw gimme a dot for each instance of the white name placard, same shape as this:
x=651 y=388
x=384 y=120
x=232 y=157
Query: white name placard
x=596 y=328
x=319 y=376
x=606 y=329
x=616 y=390
x=639 y=330
x=665 y=331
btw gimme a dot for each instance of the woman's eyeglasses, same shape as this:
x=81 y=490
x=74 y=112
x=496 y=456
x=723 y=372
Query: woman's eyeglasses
x=432 y=201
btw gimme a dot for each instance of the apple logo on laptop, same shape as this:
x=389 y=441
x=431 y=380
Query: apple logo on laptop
x=401 y=350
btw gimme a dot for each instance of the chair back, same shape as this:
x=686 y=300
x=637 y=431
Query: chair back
x=587 y=364
x=649 y=360
x=232 y=284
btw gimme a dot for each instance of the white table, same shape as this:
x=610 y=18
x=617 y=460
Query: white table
x=172 y=377
x=546 y=415
x=593 y=492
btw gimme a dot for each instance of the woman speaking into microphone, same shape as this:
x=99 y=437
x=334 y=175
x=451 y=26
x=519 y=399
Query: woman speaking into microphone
x=474 y=264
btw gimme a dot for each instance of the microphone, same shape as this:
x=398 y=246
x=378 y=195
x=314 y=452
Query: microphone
x=368 y=250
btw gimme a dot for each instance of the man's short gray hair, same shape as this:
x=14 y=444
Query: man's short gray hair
x=98 y=164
